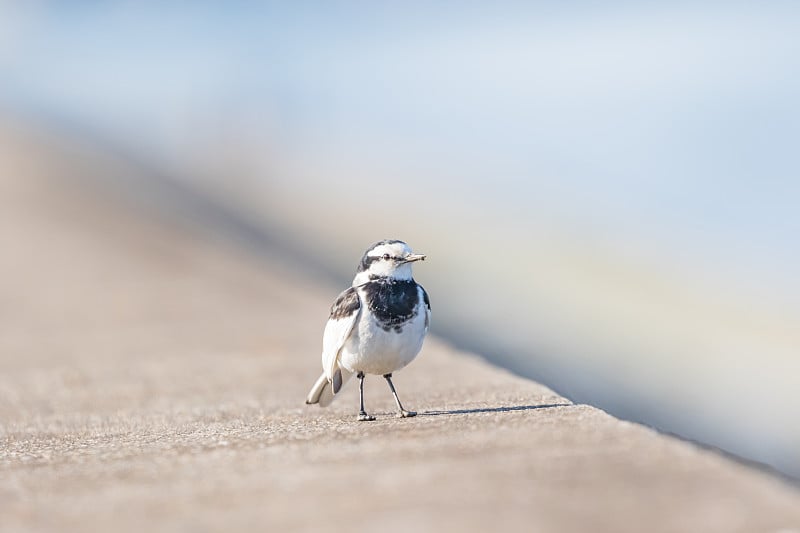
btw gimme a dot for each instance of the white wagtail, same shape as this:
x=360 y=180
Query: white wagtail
x=376 y=326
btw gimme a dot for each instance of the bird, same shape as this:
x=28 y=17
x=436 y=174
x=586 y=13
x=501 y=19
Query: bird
x=376 y=326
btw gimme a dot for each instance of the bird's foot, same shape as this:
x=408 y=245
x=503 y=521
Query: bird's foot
x=364 y=417
x=406 y=414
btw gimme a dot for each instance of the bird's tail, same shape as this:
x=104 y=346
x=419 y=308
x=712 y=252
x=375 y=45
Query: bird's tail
x=324 y=390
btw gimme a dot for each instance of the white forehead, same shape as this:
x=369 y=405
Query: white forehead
x=395 y=249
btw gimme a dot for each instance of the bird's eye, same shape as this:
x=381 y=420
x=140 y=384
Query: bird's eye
x=387 y=257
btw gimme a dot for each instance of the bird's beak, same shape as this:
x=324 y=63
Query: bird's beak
x=410 y=258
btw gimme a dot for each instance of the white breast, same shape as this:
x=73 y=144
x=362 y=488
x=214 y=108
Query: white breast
x=373 y=350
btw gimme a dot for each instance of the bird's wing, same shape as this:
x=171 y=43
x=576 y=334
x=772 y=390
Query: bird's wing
x=427 y=306
x=344 y=316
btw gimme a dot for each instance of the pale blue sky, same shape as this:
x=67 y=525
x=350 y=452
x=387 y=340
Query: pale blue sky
x=676 y=124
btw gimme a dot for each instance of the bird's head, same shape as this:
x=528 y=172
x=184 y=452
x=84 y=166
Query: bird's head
x=386 y=259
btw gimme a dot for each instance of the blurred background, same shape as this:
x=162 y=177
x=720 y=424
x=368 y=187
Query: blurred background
x=608 y=194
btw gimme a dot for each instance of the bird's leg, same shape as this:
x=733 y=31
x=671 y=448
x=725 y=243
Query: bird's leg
x=403 y=413
x=362 y=415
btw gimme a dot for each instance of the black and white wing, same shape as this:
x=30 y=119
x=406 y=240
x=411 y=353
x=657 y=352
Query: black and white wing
x=345 y=312
x=427 y=307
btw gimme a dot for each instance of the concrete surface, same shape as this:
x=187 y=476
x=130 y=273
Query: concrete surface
x=153 y=379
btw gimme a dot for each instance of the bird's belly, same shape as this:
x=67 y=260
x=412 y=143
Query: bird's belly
x=374 y=350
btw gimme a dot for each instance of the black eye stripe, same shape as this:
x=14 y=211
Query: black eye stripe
x=367 y=260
